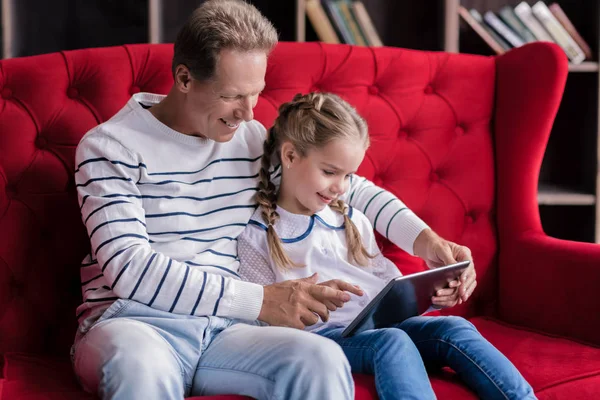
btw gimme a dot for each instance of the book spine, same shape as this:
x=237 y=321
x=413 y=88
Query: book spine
x=362 y=16
x=320 y=22
x=350 y=22
x=541 y=11
x=479 y=29
x=502 y=29
x=338 y=21
x=560 y=15
x=508 y=16
x=475 y=14
x=525 y=14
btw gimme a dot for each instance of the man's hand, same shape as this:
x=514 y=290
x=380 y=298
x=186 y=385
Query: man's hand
x=340 y=285
x=438 y=252
x=299 y=303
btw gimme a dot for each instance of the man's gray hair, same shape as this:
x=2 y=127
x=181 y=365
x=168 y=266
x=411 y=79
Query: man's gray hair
x=217 y=25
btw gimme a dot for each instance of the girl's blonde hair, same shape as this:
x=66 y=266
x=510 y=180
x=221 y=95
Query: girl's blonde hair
x=309 y=122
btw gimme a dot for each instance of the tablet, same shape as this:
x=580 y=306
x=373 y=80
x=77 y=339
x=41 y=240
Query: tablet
x=404 y=297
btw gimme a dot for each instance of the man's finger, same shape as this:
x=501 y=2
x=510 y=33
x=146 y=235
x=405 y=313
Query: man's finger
x=308 y=318
x=319 y=308
x=324 y=293
x=348 y=287
x=310 y=279
x=331 y=306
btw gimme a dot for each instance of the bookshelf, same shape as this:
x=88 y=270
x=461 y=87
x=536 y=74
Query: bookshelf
x=569 y=181
x=569 y=184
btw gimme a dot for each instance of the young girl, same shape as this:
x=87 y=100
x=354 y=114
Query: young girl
x=306 y=228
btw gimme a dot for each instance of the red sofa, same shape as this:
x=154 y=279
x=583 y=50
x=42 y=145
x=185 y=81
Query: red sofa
x=459 y=138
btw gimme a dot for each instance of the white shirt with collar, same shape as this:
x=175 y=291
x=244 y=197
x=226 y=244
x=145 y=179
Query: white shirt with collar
x=318 y=242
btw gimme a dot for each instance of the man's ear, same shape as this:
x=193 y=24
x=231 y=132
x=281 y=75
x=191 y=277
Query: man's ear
x=289 y=154
x=183 y=78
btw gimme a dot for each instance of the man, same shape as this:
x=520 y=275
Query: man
x=165 y=187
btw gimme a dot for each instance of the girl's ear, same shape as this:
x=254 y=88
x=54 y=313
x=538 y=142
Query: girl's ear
x=288 y=154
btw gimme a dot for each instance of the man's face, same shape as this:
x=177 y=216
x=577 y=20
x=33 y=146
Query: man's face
x=216 y=108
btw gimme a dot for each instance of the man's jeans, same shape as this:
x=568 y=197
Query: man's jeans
x=399 y=356
x=136 y=352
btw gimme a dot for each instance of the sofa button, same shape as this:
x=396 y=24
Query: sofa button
x=434 y=177
x=459 y=130
x=41 y=142
x=11 y=191
x=470 y=218
x=374 y=90
x=73 y=93
x=134 y=90
x=6 y=93
x=429 y=89
x=402 y=134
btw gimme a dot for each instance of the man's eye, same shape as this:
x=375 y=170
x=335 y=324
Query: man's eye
x=347 y=176
x=327 y=172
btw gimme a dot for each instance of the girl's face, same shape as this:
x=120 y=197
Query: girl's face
x=313 y=181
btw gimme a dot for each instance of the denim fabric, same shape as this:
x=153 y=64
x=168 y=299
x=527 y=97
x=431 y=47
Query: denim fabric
x=136 y=352
x=400 y=356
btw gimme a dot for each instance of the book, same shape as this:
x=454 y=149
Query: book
x=475 y=14
x=556 y=30
x=480 y=30
x=507 y=14
x=560 y=15
x=344 y=6
x=320 y=22
x=511 y=37
x=525 y=14
x=365 y=23
x=336 y=18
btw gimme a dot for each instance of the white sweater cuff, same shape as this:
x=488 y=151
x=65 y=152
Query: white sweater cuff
x=404 y=231
x=247 y=300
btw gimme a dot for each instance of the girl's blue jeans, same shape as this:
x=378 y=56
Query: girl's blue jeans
x=399 y=358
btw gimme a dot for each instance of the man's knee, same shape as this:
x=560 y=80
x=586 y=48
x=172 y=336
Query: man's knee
x=125 y=352
x=318 y=355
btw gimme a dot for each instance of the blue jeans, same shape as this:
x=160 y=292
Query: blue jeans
x=399 y=357
x=136 y=352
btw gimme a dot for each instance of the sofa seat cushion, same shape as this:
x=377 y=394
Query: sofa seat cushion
x=553 y=366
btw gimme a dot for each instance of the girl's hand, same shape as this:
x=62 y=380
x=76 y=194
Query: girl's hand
x=438 y=252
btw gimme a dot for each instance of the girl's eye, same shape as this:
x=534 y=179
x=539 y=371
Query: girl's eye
x=327 y=172
x=347 y=176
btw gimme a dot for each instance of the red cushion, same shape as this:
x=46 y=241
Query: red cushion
x=552 y=365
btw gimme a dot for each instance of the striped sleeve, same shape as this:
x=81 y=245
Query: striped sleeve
x=388 y=214
x=112 y=211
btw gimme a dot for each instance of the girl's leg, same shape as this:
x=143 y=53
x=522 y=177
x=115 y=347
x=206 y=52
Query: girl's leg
x=392 y=357
x=455 y=342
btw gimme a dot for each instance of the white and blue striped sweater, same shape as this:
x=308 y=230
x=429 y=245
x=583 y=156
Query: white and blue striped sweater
x=163 y=211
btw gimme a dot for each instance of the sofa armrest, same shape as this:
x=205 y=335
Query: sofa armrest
x=551 y=285
x=544 y=283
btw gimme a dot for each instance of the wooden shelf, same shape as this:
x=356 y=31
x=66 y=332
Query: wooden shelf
x=586 y=66
x=555 y=195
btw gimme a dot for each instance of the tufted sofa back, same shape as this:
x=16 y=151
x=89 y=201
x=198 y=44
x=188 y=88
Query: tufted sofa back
x=429 y=116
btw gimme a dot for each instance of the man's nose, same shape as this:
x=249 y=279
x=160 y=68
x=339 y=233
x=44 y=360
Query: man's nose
x=245 y=111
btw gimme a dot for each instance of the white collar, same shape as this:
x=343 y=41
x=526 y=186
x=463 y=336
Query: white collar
x=294 y=227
